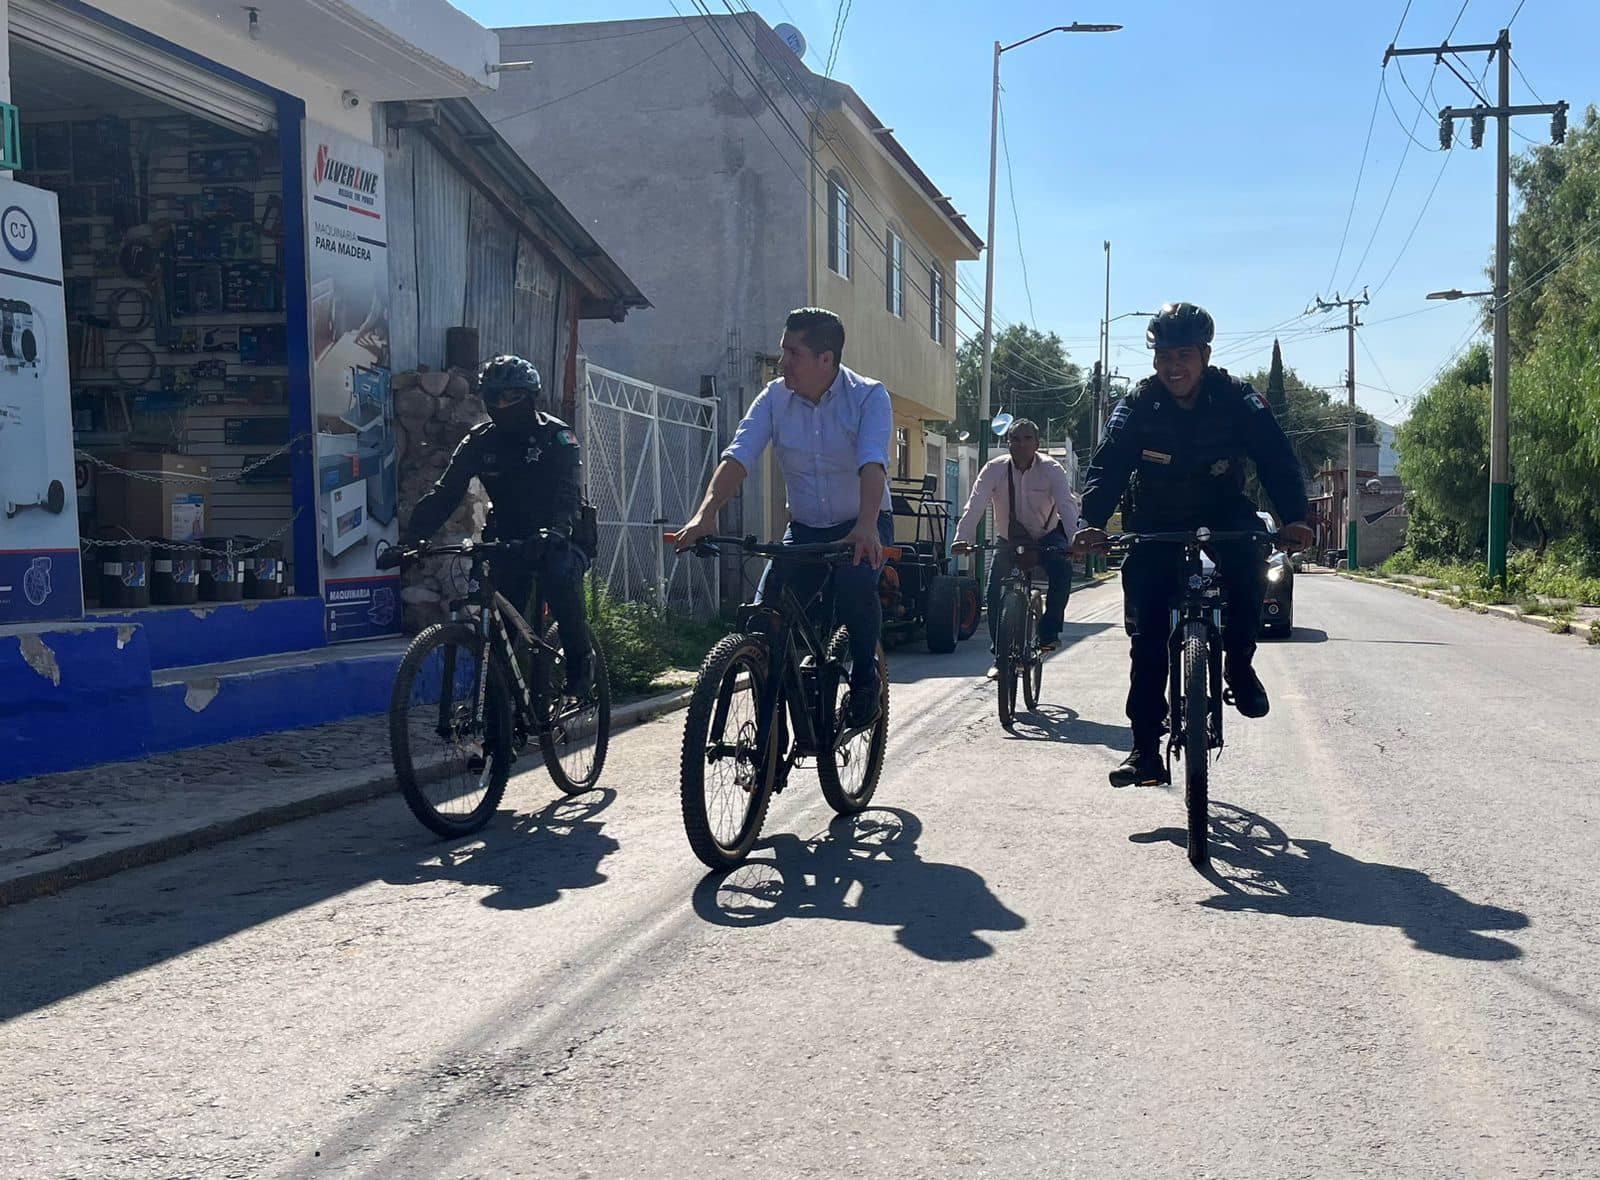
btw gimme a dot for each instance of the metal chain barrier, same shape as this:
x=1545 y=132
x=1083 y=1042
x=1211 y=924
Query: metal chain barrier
x=182 y=547
x=232 y=477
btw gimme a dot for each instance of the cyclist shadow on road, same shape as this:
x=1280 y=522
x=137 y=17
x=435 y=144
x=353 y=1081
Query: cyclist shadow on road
x=1058 y=723
x=1260 y=870
x=865 y=868
x=532 y=860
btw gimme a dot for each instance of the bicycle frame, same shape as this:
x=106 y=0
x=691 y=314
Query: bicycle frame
x=1201 y=602
x=791 y=680
x=494 y=619
x=797 y=651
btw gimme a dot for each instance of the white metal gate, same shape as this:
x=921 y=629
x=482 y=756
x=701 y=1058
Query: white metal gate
x=648 y=454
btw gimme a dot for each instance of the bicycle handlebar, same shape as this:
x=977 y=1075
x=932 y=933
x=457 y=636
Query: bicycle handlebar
x=397 y=555
x=1198 y=536
x=812 y=551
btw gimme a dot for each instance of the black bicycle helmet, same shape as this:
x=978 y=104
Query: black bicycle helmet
x=1179 y=325
x=504 y=378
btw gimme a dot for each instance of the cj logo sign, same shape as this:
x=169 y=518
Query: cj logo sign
x=21 y=239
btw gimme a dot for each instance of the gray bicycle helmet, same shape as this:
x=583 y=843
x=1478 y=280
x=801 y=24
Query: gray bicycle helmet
x=505 y=379
x=1179 y=325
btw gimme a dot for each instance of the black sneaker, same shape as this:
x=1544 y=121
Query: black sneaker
x=1249 y=697
x=862 y=710
x=1141 y=768
x=580 y=680
x=1049 y=642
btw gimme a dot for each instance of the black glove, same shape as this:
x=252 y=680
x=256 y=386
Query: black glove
x=389 y=558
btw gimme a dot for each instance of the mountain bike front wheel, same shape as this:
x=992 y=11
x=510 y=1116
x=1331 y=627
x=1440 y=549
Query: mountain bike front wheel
x=1196 y=746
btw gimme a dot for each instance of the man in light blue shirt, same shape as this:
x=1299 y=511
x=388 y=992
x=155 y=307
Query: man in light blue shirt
x=831 y=429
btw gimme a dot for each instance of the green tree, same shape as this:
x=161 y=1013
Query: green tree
x=1277 y=394
x=1444 y=459
x=1559 y=190
x=1031 y=377
x=1314 y=422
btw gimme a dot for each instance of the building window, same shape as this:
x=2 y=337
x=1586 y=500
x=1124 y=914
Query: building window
x=902 y=453
x=936 y=303
x=838 y=227
x=894 y=273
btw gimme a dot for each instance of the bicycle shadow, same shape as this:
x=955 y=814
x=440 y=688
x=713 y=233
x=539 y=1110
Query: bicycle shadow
x=531 y=861
x=1058 y=723
x=865 y=868
x=1259 y=869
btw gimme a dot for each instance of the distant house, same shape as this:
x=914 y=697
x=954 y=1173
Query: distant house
x=734 y=185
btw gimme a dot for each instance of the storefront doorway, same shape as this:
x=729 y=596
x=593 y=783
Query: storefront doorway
x=171 y=189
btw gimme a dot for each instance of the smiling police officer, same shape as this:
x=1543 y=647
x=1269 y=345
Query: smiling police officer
x=1177 y=447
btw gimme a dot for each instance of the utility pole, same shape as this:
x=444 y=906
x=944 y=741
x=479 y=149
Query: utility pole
x=1352 y=558
x=1104 y=368
x=985 y=411
x=1503 y=111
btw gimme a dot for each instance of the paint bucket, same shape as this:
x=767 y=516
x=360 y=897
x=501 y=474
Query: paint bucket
x=263 y=568
x=221 y=570
x=124 y=574
x=174 y=573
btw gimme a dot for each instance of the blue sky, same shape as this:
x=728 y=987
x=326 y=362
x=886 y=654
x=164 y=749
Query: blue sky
x=1215 y=144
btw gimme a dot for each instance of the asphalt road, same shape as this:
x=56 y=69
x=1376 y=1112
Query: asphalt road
x=1006 y=969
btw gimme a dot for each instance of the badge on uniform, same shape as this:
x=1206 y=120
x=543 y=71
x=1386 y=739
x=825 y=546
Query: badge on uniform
x=1156 y=456
x=1255 y=401
x=534 y=451
x=566 y=438
x=1220 y=467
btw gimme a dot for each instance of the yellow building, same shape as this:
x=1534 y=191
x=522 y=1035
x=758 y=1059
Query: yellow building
x=883 y=243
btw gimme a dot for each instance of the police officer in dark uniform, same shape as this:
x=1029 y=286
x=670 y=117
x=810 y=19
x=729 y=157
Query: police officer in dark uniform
x=1177 y=447
x=529 y=463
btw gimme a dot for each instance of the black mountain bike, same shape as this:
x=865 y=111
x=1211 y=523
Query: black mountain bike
x=1017 y=658
x=1195 y=691
x=472 y=692
x=771 y=694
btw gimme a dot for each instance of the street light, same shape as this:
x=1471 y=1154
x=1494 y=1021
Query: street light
x=1458 y=293
x=988 y=282
x=1102 y=395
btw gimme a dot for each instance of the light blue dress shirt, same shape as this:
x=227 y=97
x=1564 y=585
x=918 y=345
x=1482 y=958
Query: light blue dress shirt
x=821 y=447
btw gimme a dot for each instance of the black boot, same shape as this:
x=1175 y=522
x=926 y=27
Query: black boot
x=1249 y=696
x=1144 y=766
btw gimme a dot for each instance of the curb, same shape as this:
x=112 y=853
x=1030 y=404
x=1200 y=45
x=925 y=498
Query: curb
x=368 y=785
x=1543 y=622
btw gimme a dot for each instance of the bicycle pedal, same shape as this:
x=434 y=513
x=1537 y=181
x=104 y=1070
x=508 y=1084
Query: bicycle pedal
x=1227 y=696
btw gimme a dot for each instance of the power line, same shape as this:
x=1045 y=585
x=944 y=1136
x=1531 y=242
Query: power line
x=841 y=15
x=1421 y=213
x=1513 y=20
x=1046 y=371
x=550 y=102
x=1360 y=172
x=1016 y=219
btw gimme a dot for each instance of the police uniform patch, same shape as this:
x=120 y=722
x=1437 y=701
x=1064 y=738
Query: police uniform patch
x=1255 y=401
x=566 y=438
x=1220 y=467
x=1156 y=456
x=533 y=453
x=1118 y=416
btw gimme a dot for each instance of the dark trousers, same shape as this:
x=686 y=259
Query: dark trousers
x=560 y=568
x=855 y=591
x=1056 y=559
x=1152 y=583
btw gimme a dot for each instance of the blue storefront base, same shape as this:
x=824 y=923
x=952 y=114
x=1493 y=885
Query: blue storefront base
x=110 y=689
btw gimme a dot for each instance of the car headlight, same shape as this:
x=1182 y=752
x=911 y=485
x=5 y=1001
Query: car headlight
x=1275 y=574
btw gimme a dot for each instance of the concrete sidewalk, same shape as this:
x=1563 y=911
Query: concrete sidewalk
x=57 y=830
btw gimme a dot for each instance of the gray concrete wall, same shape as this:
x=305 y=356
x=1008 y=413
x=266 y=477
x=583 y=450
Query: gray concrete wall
x=665 y=164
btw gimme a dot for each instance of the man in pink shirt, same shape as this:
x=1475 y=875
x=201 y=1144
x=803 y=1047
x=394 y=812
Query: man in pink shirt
x=1033 y=501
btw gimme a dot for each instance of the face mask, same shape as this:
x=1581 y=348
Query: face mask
x=519 y=416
